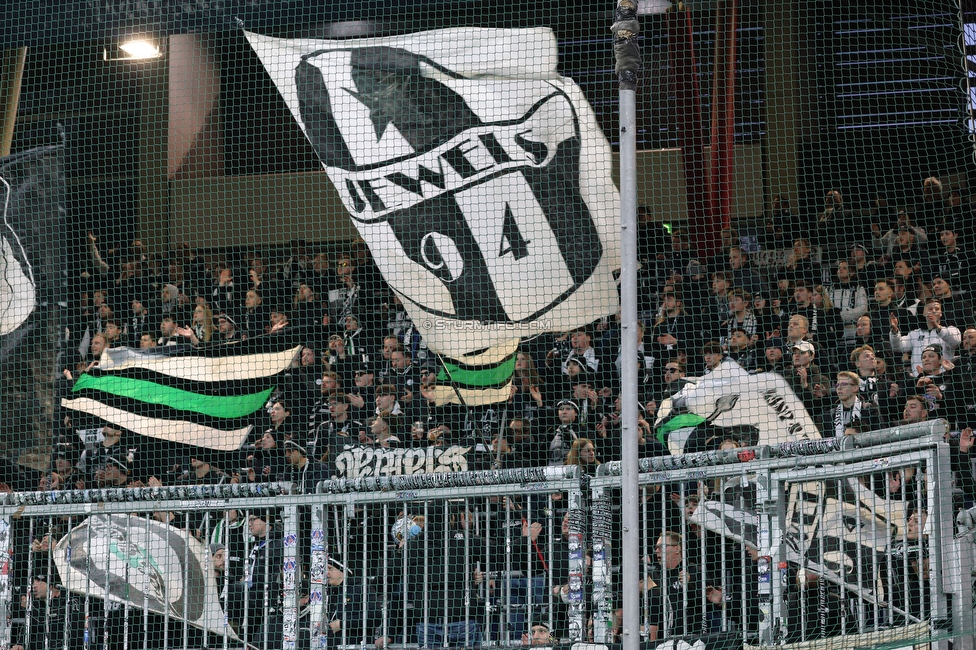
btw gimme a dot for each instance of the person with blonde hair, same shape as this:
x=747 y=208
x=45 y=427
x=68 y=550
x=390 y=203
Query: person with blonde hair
x=851 y=410
x=582 y=454
x=201 y=328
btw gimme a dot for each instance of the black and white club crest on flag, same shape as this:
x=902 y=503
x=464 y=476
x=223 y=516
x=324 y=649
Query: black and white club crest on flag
x=143 y=565
x=31 y=255
x=477 y=176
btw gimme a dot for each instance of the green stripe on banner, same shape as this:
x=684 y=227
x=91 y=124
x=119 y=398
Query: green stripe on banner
x=229 y=406
x=678 y=422
x=490 y=376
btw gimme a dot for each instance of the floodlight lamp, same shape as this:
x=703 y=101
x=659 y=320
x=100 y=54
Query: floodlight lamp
x=140 y=49
x=133 y=49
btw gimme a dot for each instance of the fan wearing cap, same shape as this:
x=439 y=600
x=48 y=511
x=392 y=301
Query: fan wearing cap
x=933 y=332
x=576 y=371
x=936 y=382
x=278 y=320
x=114 y=472
x=565 y=433
x=584 y=394
x=66 y=464
x=805 y=379
x=865 y=271
x=442 y=578
x=355 y=340
x=55 y=617
x=303 y=473
x=227 y=328
x=328 y=431
x=112 y=444
x=218 y=559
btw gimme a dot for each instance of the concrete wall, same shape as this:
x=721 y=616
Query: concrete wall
x=661 y=183
x=256 y=210
x=265 y=210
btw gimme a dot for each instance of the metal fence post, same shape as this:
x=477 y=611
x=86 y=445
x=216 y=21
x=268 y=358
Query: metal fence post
x=770 y=510
x=290 y=577
x=577 y=566
x=601 y=526
x=6 y=583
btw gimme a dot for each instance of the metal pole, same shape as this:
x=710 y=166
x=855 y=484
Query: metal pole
x=628 y=64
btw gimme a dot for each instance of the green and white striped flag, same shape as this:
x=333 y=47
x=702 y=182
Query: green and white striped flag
x=482 y=378
x=206 y=397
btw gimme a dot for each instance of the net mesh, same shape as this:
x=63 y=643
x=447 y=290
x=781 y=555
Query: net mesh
x=275 y=244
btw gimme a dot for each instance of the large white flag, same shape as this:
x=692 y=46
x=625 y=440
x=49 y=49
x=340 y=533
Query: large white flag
x=476 y=174
x=144 y=563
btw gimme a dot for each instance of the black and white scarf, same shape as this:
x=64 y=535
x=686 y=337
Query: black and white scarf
x=843 y=417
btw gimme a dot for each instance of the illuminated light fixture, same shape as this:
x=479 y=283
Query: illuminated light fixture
x=140 y=49
x=135 y=49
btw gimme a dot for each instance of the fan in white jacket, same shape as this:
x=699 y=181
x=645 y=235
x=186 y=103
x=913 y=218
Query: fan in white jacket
x=934 y=333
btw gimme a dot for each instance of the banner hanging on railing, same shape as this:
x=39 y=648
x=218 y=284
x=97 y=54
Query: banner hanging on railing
x=142 y=563
x=356 y=461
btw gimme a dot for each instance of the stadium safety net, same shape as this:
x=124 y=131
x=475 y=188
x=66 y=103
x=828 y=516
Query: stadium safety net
x=310 y=324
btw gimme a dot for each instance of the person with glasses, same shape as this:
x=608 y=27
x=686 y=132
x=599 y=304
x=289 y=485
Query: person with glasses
x=674 y=378
x=362 y=395
x=346 y=299
x=851 y=410
x=676 y=598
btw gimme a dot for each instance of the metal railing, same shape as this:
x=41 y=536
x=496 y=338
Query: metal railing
x=804 y=542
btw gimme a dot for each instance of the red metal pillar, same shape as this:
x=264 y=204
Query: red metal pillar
x=723 y=113
x=691 y=131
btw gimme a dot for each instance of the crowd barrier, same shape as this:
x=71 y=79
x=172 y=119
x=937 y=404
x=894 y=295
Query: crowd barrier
x=799 y=544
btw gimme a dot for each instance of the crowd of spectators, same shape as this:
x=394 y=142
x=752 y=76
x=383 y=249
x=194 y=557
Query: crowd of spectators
x=880 y=294
x=865 y=314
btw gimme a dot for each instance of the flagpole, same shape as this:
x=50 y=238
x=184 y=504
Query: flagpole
x=628 y=64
